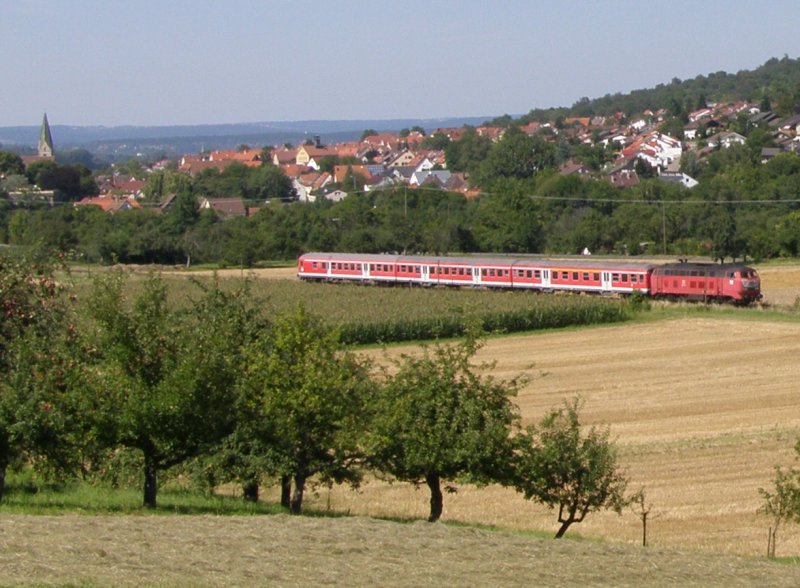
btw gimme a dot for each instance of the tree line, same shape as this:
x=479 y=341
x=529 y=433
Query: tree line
x=136 y=376
x=741 y=208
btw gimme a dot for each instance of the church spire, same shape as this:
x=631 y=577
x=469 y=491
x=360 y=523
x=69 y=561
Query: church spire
x=45 y=139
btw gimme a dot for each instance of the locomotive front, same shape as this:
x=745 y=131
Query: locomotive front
x=750 y=284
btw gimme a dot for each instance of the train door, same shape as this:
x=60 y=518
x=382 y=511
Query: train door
x=365 y=270
x=546 y=278
x=425 y=273
x=476 y=275
x=606 y=281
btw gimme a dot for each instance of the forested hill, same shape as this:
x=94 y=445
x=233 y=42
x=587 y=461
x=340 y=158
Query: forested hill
x=776 y=82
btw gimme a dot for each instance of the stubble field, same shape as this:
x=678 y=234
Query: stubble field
x=702 y=409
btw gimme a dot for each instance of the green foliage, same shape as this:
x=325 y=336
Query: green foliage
x=535 y=314
x=466 y=154
x=166 y=376
x=11 y=164
x=438 y=418
x=516 y=155
x=71 y=181
x=42 y=370
x=559 y=465
x=782 y=503
x=301 y=405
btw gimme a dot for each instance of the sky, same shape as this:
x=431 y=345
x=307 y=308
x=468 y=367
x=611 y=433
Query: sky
x=189 y=62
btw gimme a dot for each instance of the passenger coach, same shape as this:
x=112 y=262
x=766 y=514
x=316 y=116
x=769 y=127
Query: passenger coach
x=546 y=275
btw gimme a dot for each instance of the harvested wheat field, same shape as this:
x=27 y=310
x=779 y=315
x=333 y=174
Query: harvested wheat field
x=355 y=551
x=702 y=410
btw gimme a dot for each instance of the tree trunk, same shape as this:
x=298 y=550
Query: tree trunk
x=250 y=491
x=296 y=503
x=434 y=483
x=286 y=491
x=564 y=526
x=150 y=481
x=3 y=468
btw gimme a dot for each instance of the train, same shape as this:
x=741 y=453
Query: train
x=680 y=280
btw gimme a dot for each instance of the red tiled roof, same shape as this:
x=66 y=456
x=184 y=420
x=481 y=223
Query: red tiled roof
x=108 y=203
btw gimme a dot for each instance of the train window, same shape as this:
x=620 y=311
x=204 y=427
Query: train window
x=624 y=277
x=585 y=276
x=565 y=275
x=528 y=273
x=537 y=274
x=324 y=265
x=575 y=276
x=615 y=277
x=596 y=276
x=731 y=275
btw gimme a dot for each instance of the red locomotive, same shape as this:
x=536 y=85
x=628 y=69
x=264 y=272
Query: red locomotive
x=688 y=281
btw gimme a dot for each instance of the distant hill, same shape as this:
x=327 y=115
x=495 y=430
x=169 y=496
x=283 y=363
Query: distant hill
x=776 y=82
x=129 y=140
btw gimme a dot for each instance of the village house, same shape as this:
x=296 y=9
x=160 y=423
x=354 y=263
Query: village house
x=109 y=203
x=724 y=140
x=224 y=208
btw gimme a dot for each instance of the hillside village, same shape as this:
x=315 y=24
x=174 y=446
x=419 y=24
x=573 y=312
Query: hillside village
x=392 y=159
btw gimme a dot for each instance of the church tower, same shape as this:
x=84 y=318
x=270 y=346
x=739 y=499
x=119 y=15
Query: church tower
x=45 y=139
